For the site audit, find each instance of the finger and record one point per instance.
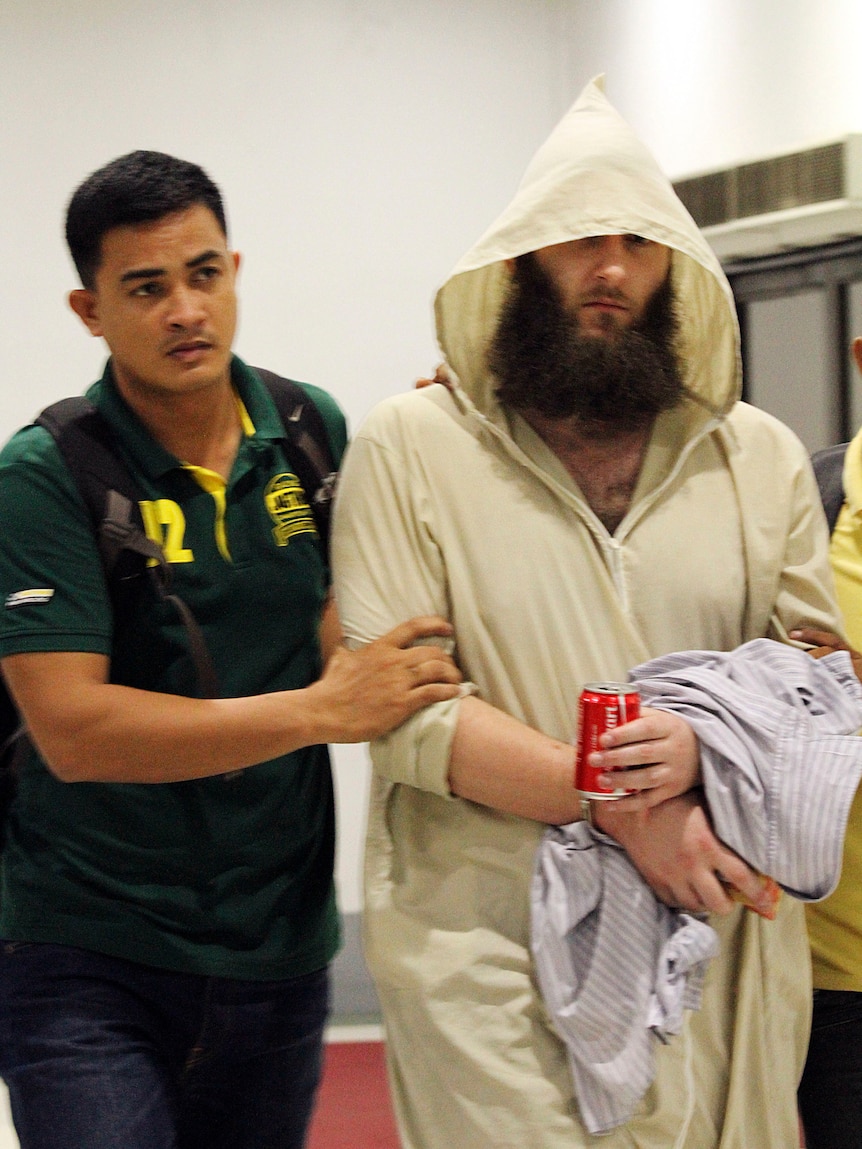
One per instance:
(635, 756)
(708, 893)
(652, 726)
(645, 788)
(416, 655)
(427, 695)
(636, 778)
(424, 626)
(421, 655)
(436, 670)
(819, 638)
(731, 870)
(704, 894)
(641, 729)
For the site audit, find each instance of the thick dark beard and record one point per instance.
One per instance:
(543, 362)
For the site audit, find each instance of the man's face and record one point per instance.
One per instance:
(165, 303)
(592, 338)
(606, 281)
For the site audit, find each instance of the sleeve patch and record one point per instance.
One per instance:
(29, 597)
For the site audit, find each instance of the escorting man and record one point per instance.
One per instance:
(589, 494)
(167, 903)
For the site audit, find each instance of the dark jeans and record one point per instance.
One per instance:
(830, 1094)
(101, 1053)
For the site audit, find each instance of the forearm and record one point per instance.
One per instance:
(112, 733)
(90, 729)
(500, 762)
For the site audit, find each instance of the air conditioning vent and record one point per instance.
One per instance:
(790, 181)
(710, 199)
(787, 201)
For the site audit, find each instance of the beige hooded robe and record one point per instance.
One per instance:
(450, 505)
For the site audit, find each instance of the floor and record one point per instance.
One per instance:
(353, 1110)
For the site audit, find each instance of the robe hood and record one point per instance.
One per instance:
(594, 177)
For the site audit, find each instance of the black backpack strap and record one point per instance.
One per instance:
(86, 443)
(119, 534)
(307, 446)
(829, 471)
(112, 498)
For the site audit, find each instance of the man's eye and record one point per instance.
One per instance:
(638, 240)
(144, 289)
(204, 273)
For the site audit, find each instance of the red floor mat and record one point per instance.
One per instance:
(353, 1106)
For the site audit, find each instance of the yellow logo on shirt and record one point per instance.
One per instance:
(288, 508)
(165, 524)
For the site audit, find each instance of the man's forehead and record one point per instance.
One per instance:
(177, 238)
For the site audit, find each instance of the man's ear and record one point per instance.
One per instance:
(857, 351)
(84, 303)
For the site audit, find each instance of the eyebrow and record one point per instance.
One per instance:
(155, 272)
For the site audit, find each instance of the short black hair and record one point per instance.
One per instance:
(136, 188)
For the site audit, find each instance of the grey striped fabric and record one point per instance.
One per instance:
(779, 769)
(780, 765)
(599, 938)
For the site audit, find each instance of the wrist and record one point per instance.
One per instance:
(604, 817)
(587, 809)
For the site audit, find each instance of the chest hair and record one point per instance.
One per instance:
(606, 464)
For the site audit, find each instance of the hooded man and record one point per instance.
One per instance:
(589, 493)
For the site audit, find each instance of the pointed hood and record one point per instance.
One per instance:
(594, 177)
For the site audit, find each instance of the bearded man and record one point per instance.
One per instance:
(587, 494)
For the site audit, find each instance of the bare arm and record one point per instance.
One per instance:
(500, 762)
(89, 729)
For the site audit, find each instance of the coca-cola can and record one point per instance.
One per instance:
(602, 706)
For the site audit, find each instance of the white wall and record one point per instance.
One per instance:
(708, 83)
(361, 146)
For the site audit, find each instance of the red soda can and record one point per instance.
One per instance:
(602, 706)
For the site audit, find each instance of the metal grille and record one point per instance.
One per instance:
(706, 198)
(790, 181)
(814, 176)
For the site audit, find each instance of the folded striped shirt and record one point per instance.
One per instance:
(780, 764)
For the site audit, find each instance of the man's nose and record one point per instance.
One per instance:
(185, 307)
(611, 264)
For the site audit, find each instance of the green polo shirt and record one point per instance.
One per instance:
(230, 876)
